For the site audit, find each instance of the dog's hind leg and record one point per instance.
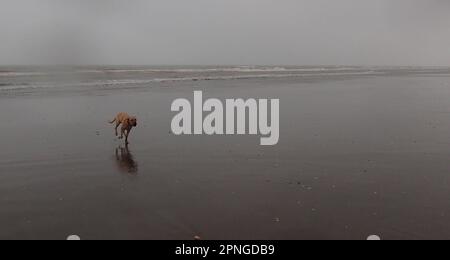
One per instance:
(117, 126)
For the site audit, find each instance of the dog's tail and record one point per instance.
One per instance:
(114, 120)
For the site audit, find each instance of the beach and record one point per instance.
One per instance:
(362, 151)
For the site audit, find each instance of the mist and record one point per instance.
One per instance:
(225, 32)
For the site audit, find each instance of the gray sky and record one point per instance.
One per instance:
(250, 32)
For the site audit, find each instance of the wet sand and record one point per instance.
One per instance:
(356, 157)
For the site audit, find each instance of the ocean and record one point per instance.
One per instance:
(45, 80)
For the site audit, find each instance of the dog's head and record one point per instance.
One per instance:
(132, 121)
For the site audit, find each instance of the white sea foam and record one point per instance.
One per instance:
(22, 74)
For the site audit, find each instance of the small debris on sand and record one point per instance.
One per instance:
(197, 238)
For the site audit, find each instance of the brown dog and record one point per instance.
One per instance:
(127, 122)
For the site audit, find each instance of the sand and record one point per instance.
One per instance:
(357, 156)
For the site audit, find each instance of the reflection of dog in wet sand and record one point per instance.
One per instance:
(127, 122)
(125, 160)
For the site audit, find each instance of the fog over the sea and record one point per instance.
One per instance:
(210, 32)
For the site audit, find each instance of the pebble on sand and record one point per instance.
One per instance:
(73, 237)
(374, 238)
